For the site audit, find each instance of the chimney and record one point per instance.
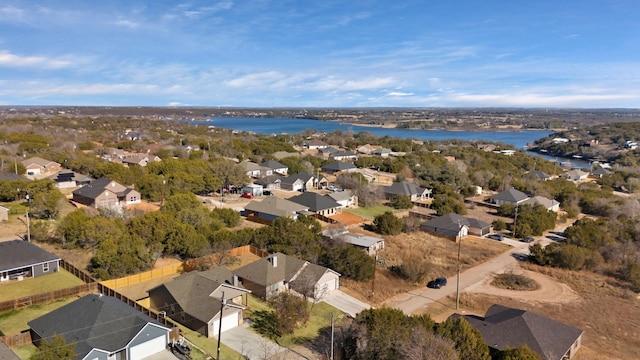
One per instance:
(274, 261)
(235, 280)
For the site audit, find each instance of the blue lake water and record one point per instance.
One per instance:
(519, 139)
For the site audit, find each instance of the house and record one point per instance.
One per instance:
(369, 244)
(4, 213)
(276, 167)
(13, 177)
(278, 272)
(345, 198)
(504, 327)
(339, 166)
(509, 196)
(455, 226)
(103, 328)
(66, 179)
(600, 172)
(37, 166)
(382, 152)
(320, 204)
(367, 149)
(299, 182)
(195, 300)
(272, 182)
(106, 193)
(21, 259)
(327, 151)
(342, 155)
(413, 191)
(254, 170)
(253, 189)
(575, 175)
(549, 204)
(315, 144)
(539, 175)
(139, 159)
(271, 208)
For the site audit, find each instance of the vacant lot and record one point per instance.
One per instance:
(38, 285)
(439, 255)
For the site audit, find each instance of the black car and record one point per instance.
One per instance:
(528, 239)
(437, 283)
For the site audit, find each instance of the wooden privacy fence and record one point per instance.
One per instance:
(16, 340)
(46, 297)
(142, 277)
(80, 274)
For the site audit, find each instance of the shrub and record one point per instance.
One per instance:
(387, 224)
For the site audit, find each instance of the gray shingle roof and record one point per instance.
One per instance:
(94, 189)
(262, 272)
(274, 205)
(452, 222)
(272, 164)
(403, 188)
(511, 195)
(315, 202)
(192, 291)
(93, 321)
(338, 166)
(503, 326)
(17, 254)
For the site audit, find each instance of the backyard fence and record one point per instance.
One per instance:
(142, 277)
(46, 297)
(80, 274)
(13, 341)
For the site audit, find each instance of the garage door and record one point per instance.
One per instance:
(148, 348)
(229, 321)
(327, 286)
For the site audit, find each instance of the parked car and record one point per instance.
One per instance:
(437, 283)
(247, 195)
(498, 237)
(528, 239)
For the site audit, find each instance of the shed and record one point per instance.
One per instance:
(4, 214)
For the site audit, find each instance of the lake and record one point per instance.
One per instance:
(518, 139)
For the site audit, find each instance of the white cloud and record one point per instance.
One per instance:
(11, 13)
(261, 79)
(331, 83)
(127, 23)
(10, 60)
(398, 93)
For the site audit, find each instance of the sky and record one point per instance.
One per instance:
(355, 53)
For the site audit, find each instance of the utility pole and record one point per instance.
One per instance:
(515, 218)
(458, 279)
(28, 224)
(331, 315)
(222, 303)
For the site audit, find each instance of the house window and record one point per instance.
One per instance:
(133, 198)
(45, 267)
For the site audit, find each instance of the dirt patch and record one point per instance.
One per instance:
(348, 220)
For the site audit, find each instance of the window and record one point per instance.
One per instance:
(45, 267)
(133, 198)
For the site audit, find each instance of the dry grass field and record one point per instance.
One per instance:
(439, 253)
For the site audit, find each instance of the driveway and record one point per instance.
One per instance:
(254, 346)
(346, 303)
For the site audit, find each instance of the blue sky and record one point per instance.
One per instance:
(262, 53)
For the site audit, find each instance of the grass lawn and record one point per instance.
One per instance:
(319, 319)
(25, 352)
(370, 212)
(14, 321)
(42, 284)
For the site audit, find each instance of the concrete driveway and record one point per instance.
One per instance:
(346, 303)
(254, 346)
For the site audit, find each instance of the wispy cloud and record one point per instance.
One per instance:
(127, 23)
(8, 59)
(11, 13)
